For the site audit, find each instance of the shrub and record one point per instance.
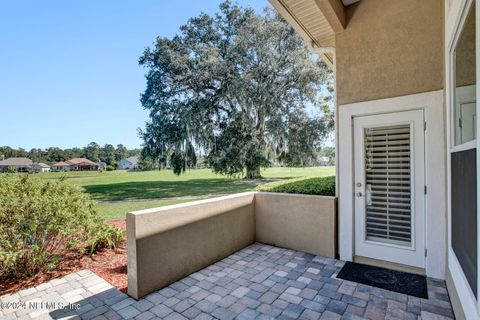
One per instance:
(110, 168)
(323, 186)
(40, 220)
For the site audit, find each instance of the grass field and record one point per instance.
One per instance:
(120, 191)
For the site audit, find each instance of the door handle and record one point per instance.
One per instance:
(359, 194)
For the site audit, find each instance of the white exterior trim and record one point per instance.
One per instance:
(336, 117)
(465, 294)
(477, 59)
(454, 21)
(463, 95)
(466, 146)
(435, 205)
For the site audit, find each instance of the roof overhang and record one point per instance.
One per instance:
(316, 21)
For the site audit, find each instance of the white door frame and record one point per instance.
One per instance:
(435, 206)
(413, 255)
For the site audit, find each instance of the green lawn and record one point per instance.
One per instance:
(115, 211)
(122, 191)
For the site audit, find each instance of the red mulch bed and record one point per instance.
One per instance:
(109, 264)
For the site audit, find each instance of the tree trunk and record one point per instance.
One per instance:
(253, 174)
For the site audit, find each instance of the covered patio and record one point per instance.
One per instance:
(257, 282)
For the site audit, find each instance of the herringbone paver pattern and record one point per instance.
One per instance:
(258, 282)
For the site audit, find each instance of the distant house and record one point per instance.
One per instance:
(41, 167)
(324, 161)
(82, 164)
(130, 163)
(102, 165)
(16, 164)
(60, 166)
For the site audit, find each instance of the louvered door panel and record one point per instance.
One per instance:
(388, 184)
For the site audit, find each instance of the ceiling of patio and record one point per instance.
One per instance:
(310, 22)
(309, 16)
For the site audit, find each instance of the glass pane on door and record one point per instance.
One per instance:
(388, 184)
(464, 113)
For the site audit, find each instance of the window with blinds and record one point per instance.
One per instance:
(388, 185)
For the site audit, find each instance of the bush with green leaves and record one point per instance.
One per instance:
(40, 220)
(323, 186)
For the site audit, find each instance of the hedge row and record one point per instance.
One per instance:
(323, 186)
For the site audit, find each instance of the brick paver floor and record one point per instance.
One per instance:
(258, 282)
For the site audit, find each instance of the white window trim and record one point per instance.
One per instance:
(459, 94)
(450, 80)
(453, 27)
(472, 144)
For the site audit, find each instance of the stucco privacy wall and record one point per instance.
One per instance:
(166, 244)
(389, 49)
(301, 222)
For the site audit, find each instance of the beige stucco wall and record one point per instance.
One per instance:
(301, 222)
(169, 243)
(389, 49)
(166, 244)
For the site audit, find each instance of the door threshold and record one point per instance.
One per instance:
(389, 265)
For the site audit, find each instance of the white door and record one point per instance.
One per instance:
(389, 187)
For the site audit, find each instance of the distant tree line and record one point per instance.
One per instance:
(107, 153)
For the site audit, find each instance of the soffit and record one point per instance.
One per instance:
(311, 20)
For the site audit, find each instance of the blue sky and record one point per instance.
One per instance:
(68, 69)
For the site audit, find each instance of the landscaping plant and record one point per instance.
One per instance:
(322, 186)
(40, 220)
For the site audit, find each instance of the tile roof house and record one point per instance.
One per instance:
(82, 164)
(75, 164)
(60, 166)
(16, 164)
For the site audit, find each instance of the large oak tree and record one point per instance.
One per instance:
(239, 87)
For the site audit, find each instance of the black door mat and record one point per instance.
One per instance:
(397, 281)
